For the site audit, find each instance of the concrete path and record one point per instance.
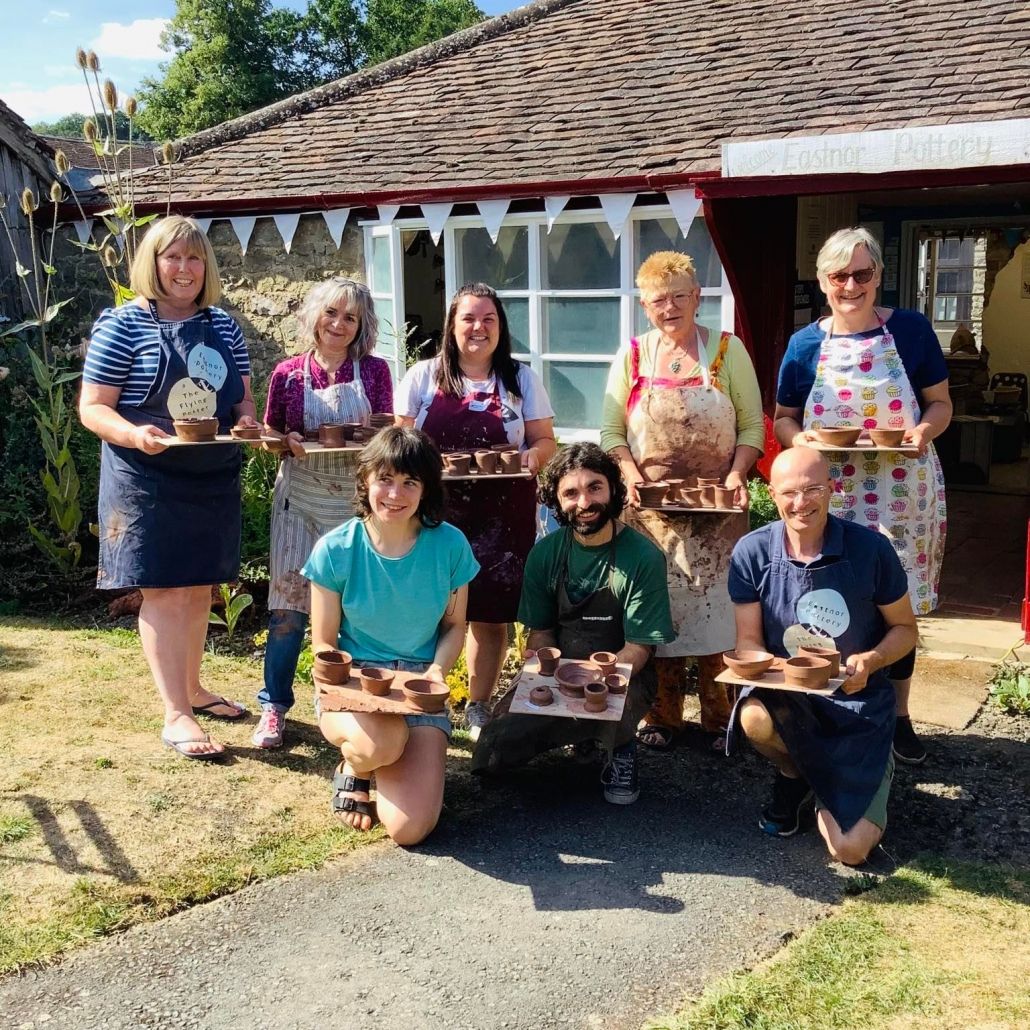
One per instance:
(535, 904)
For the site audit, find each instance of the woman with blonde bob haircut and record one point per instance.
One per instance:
(875, 368)
(336, 378)
(680, 404)
(170, 517)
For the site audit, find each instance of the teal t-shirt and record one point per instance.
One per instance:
(392, 607)
(639, 582)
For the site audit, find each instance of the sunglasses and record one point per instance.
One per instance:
(862, 276)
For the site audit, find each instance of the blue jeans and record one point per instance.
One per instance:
(282, 650)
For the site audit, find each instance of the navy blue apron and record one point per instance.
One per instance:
(172, 519)
(841, 743)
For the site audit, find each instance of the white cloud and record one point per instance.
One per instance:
(55, 16)
(139, 40)
(38, 105)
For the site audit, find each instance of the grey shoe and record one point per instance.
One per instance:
(269, 731)
(619, 775)
(477, 715)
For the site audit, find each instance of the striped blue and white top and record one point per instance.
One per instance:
(125, 343)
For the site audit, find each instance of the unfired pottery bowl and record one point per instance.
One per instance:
(653, 494)
(333, 434)
(725, 497)
(350, 428)
(675, 488)
(887, 437)
(616, 683)
(548, 659)
(332, 666)
(707, 495)
(748, 665)
(376, 681)
(486, 462)
(425, 695)
(831, 654)
(840, 436)
(458, 463)
(595, 697)
(380, 419)
(811, 673)
(511, 462)
(690, 497)
(605, 661)
(195, 429)
(246, 432)
(704, 481)
(573, 678)
(541, 696)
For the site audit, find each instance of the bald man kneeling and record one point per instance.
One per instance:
(814, 579)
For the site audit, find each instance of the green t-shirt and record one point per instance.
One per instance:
(639, 582)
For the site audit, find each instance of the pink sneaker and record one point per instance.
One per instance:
(269, 732)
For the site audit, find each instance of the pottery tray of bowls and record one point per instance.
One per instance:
(773, 679)
(563, 706)
(863, 444)
(349, 697)
(351, 446)
(175, 441)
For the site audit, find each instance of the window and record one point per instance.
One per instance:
(950, 289)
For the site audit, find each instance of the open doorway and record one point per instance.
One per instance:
(424, 287)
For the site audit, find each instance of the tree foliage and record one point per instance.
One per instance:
(234, 56)
(70, 127)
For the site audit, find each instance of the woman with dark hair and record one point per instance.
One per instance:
(475, 395)
(390, 587)
(336, 378)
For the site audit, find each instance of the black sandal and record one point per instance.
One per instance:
(347, 783)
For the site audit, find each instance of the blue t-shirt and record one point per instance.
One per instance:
(917, 343)
(392, 607)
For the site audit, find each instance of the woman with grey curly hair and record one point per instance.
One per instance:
(335, 378)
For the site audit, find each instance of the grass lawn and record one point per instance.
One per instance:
(938, 946)
(102, 826)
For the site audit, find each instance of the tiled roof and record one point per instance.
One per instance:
(82, 155)
(580, 90)
(31, 149)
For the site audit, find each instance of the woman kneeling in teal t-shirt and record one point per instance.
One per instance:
(390, 586)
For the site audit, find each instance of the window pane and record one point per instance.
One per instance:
(579, 256)
(517, 310)
(576, 391)
(382, 281)
(386, 346)
(578, 325)
(654, 234)
(709, 315)
(505, 266)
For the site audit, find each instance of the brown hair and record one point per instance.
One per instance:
(161, 235)
(412, 453)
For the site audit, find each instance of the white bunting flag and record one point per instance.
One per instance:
(616, 208)
(554, 206)
(287, 226)
(83, 230)
(336, 222)
(685, 205)
(492, 212)
(204, 224)
(387, 213)
(436, 217)
(243, 226)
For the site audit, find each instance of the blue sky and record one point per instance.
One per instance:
(38, 77)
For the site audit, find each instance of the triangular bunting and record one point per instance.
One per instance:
(336, 222)
(436, 216)
(685, 205)
(243, 226)
(287, 226)
(83, 230)
(492, 212)
(616, 208)
(554, 206)
(204, 224)
(387, 213)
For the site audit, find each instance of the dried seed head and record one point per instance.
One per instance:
(61, 163)
(131, 106)
(92, 61)
(110, 95)
(110, 256)
(80, 58)
(56, 193)
(167, 154)
(89, 130)
(28, 202)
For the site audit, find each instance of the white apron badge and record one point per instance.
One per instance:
(187, 399)
(824, 610)
(207, 364)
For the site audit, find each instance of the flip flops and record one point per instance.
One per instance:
(656, 737)
(198, 756)
(221, 702)
(347, 783)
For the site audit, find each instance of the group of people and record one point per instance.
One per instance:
(400, 572)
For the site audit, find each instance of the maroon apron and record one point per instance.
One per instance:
(496, 515)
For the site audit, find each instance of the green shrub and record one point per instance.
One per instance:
(1010, 688)
(761, 509)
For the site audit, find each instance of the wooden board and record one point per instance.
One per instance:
(773, 680)
(174, 441)
(563, 707)
(679, 509)
(349, 697)
(475, 474)
(311, 447)
(863, 445)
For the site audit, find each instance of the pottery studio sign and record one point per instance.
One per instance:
(922, 147)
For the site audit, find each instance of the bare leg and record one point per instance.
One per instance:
(410, 792)
(485, 646)
(172, 629)
(760, 729)
(853, 847)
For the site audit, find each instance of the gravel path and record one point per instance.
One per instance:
(534, 904)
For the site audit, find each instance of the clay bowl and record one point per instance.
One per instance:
(425, 695)
(246, 432)
(810, 673)
(653, 494)
(511, 462)
(486, 462)
(380, 419)
(311, 436)
(375, 681)
(332, 666)
(541, 696)
(675, 489)
(595, 697)
(725, 497)
(690, 497)
(748, 665)
(832, 655)
(573, 678)
(616, 683)
(333, 434)
(350, 428)
(707, 496)
(704, 481)
(458, 463)
(605, 661)
(841, 436)
(887, 437)
(548, 659)
(195, 429)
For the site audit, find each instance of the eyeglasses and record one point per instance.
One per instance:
(810, 493)
(680, 299)
(862, 276)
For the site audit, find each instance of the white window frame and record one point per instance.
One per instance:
(539, 354)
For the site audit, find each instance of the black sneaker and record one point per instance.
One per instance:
(907, 747)
(619, 775)
(790, 798)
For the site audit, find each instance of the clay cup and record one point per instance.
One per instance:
(831, 654)
(807, 672)
(595, 697)
(548, 659)
(511, 462)
(616, 683)
(458, 463)
(375, 681)
(605, 661)
(541, 696)
(887, 437)
(425, 695)
(196, 430)
(486, 462)
(332, 666)
(839, 436)
(725, 497)
(246, 432)
(748, 665)
(653, 494)
(333, 434)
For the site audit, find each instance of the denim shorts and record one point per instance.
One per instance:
(439, 720)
